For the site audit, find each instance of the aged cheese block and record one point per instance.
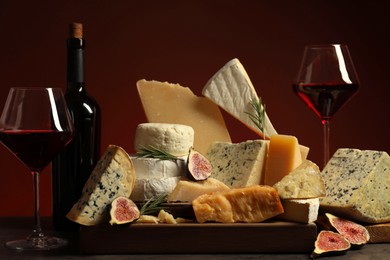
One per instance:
(302, 211)
(284, 155)
(175, 139)
(171, 103)
(358, 185)
(304, 182)
(113, 176)
(146, 189)
(231, 89)
(187, 191)
(238, 165)
(154, 168)
(250, 204)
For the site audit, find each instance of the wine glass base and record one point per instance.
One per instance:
(37, 244)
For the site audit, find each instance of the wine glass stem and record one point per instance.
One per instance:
(37, 230)
(326, 125)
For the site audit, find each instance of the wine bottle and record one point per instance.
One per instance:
(72, 167)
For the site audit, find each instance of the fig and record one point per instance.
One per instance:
(355, 233)
(198, 166)
(123, 210)
(330, 243)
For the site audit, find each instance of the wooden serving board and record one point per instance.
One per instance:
(138, 238)
(379, 233)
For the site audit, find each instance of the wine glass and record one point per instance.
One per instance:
(35, 126)
(326, 81)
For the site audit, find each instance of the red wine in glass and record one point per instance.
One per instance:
(326, 81)
(35, 126)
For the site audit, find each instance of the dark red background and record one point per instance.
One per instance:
(186, 42)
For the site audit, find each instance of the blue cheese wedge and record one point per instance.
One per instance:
(112, 177)
(358, 185)
(238, 165)
(232, 90)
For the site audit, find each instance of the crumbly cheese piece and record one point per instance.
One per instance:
(187, 191)
(147, 219)
(251, 204)
(171, 103)
(175, 139)
(238, 165)
(304, 182)
(231, 89)
(302, 211)
(146, 189)
(113, 176)
(154, 168)
(284, 155)
(358, 185)
(165, 217)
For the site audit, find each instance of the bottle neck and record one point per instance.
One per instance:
(75, 65)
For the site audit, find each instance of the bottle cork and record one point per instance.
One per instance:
(76, 30)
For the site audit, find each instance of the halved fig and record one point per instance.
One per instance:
(123, 210)
(330, 243)
(198, 166)
(355, 233)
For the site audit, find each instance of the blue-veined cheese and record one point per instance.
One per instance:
(113, 176)
(238, 165)
(232, 90)
(358, 185)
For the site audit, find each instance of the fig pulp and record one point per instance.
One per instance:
(329, 242)
(199, 167)
(355, 233)
(123, 210)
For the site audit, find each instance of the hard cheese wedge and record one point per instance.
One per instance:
(251, 204)
(358, 185)
(284, 155)
(238, 165)
(171, 103)
(112, 177)
(304, 182)
(231, 89)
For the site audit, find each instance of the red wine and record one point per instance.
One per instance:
(73, 166)
(325, 99)
(35, 148)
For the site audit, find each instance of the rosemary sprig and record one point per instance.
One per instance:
(153, 205)
(153, 152)
(258, 118)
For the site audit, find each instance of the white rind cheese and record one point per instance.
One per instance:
(238, 165)
(232, 90)
(175, 139)
(113, 176)
(146, 189)
(302, 211)
(153, 168)
(358, 185)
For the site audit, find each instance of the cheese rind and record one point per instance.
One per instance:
(284, 155)
(304, 182)
(232, 90)
(238, 165)
(112, 177)
(146, 189)
(302, 211)
(154, 168)
(171, 103)
(175, 139)
(250, 204)
(357, 185)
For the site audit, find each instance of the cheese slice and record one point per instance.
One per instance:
(113, 176)
(358, 185)
(187, 191)
(231, 89)
(171, 103)
(174, 139)
(238, 165)
(251, 204)
(304, 182)
(284, 155)
(302, 211)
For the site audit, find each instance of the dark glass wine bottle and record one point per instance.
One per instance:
(71, 169)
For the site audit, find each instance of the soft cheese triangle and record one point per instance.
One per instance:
(231, 89)
(113, 176)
